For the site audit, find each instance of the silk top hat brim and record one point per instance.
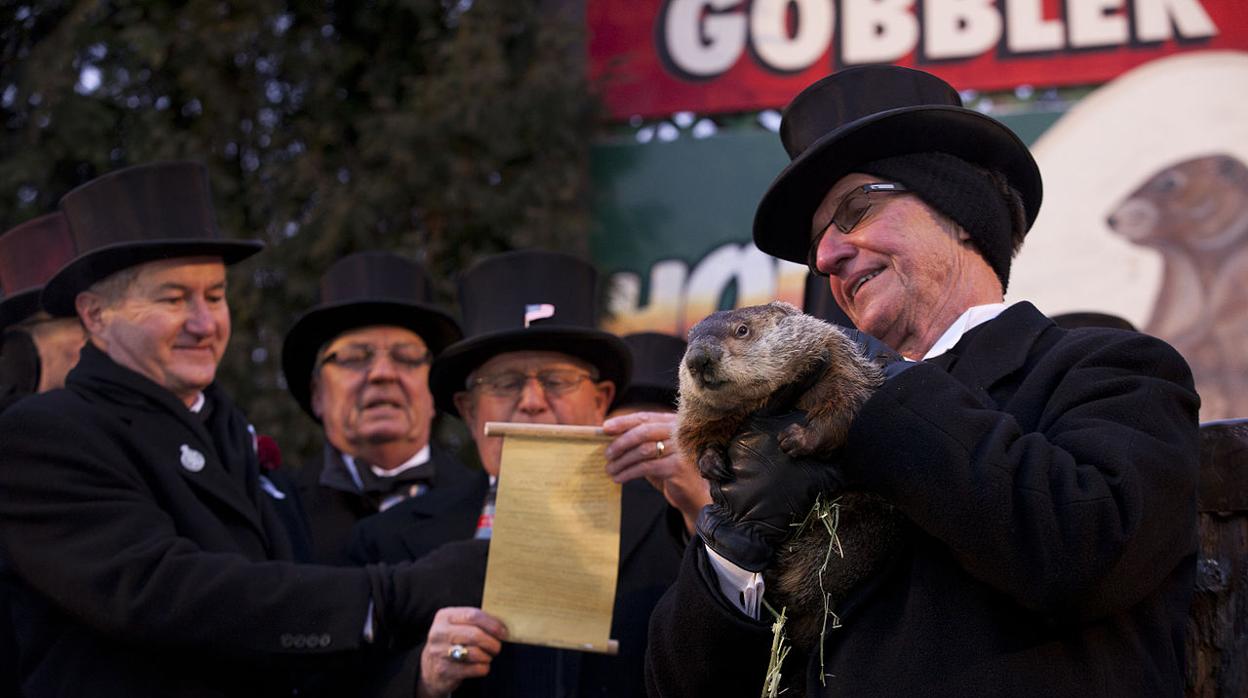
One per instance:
(603, 350)
(77, 276)
(528, 300)
(30, 254)
(322, 323)
(864, 114)
(137, 215)
(18, 307)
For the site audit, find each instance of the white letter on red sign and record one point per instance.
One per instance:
(1152, 20)
(1026, 29)
(877, 31)
(1092, 24)
(959, 28)
(703, 45)
(769, 32)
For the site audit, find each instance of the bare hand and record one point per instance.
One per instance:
(636, 453)
(477, 632)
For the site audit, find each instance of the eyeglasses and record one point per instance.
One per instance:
(362, 357)
(848, 214)
(509, 384)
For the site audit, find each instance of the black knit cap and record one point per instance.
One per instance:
(971, 196)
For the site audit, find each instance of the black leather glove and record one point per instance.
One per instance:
(406, 596)
(749, 514)
(883, 355)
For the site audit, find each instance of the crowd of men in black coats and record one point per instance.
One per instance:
(149, 551)
(148, 548)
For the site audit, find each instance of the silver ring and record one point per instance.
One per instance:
(659, 448)
(457, 653)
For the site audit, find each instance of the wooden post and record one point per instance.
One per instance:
(1217, 632)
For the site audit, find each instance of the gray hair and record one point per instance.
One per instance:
(113, 288)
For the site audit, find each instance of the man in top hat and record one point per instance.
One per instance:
(358, 363)
(1048, 475)
(144, 558)
(533, 353)
(36, 350)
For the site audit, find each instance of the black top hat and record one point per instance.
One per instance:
(359, 290)
(528, 300)
(867, 113)
(29, 255)
(656, 369)
(135, 215)
(819, 302)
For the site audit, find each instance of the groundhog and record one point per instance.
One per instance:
(739, 361)
(1195, 215)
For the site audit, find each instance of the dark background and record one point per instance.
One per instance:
(441, 129)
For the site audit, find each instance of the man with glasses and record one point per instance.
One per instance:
(358, 363)
(1047, 475)
(143, 555)
(533, 354)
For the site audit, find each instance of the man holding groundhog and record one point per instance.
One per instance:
(1047, 476)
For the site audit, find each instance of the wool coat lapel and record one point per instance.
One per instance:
(182, 440)
(989, 353)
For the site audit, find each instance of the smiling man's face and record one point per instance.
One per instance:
(903, 273)
(170, 324)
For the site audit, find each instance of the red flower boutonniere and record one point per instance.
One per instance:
(268, 453)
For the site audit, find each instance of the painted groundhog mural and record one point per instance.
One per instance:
(1195, 214)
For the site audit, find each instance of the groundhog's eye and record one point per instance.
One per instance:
(742, 331)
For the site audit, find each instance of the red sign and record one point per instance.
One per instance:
(656, 57)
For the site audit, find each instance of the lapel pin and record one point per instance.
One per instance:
(192, 460)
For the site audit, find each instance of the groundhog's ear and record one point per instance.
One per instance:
(786, 308)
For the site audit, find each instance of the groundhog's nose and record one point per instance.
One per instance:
(701, 359)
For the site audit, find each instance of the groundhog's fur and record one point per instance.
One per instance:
(737, 361)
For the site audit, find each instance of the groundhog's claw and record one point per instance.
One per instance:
(714, 465)
(797, 441)
(814, 439)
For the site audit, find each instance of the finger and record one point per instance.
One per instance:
(475, 655)
(644, 434)
(639, 454)
(472, 636)
(475, 617)
(654, 469)
(621, 424)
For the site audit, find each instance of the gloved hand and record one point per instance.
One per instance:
(406, 596)
(749, 514)
(889, 361)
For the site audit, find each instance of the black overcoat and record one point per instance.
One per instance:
(452, 502)
(1051, 479)
(144, 565)
(651, 543)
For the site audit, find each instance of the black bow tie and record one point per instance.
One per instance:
(385, 485)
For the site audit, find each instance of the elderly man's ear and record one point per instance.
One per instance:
(465, 405)
(604, 393)
(90, 308)
(318, 408)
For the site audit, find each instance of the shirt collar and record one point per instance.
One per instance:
(199, 402)
(973, 317)
(419, 458)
